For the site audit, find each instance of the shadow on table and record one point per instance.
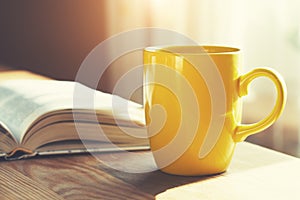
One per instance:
(154, 182)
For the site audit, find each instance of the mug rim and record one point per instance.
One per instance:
(193, 49)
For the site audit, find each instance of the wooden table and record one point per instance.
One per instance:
(255, 173)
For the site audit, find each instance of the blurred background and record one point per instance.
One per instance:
(52, 38)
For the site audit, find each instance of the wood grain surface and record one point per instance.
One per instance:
(254, 172)
(64, 177)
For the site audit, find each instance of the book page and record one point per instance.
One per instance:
(22, 102)
(7, 140)
(14, 110)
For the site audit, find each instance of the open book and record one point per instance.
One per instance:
(58, 117)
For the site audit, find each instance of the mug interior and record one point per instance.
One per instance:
(193, 49)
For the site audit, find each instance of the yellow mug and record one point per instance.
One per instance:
(193, 106)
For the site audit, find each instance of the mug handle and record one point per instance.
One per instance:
(244, 130)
